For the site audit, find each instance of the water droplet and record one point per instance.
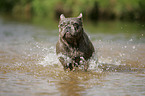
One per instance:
(125, 46)
(99, 40)
(133, 47)
(131, 40)
(120, 54)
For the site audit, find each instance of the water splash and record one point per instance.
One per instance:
(50, 57)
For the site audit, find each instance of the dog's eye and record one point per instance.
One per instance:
(61, 25)
(76, 25)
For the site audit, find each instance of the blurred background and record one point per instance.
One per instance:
(93, 10)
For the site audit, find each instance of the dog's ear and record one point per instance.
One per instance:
(80, 16)
(62, 17)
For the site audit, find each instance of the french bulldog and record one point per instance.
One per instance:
(73, 48)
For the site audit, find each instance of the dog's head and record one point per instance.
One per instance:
(70, 28)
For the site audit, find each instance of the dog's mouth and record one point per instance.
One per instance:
(68, 35)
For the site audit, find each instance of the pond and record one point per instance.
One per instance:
(29, 65)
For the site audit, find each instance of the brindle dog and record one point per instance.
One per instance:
(73, 47)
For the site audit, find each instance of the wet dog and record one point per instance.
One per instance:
(73, 47)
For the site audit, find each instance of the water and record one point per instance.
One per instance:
(29, 65)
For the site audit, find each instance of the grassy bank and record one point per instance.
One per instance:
(92, 9)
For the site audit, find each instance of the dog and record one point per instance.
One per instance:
(73, 48)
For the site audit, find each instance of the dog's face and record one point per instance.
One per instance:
(70, 28)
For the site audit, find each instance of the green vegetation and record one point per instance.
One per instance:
(92, 9)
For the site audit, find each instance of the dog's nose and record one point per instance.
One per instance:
(68, 28)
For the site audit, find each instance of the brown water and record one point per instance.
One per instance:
(29, 65)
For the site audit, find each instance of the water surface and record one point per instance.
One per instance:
(29, 65)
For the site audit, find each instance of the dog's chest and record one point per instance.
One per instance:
(74, 52)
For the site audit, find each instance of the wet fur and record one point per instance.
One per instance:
(74, 45)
